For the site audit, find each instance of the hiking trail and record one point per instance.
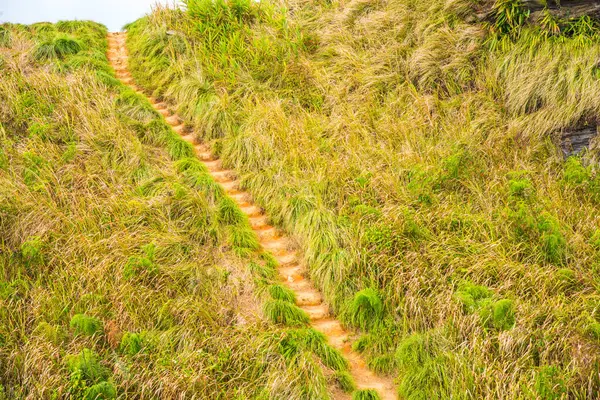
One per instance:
(293, 273)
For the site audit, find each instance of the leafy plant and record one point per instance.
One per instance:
(85, 325)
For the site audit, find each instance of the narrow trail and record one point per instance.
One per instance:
(293, 274)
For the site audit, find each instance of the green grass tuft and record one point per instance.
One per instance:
(345, 381)
(58, 48)
(88, 365)
(86, 325)
(366, 309)
(101, 391)
(284, 313)
(279, 292)
(366, 394)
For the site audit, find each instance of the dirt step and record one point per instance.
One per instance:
(231, 187)
(224, 175)
(310, 297)
(258, 221)
(269, 233)
(286, 259)
(292, 272)
(278, 246)
(338, 338)
(317, 312)
(180, 129)
(163, 111)
(173, 120)
(252, 211)
(214, 165)
(189, 138)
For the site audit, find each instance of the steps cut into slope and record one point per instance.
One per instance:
(293, 274)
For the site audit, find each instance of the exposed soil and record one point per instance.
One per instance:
(292, 272)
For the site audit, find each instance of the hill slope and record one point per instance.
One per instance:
(124, 270)
(413, 152)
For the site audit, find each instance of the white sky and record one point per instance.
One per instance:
(112, 13)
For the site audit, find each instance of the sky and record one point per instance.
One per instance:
(112, 13)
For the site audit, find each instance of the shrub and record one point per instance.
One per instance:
(472, 296)
(574, 172)
(85, 325)
(522, 188)
(101, 391)
(31, 251)
(366, 309)
(282, 312)
(550, 383)
(131, 343)
(88, 365)
(138, 265)
(498, 315)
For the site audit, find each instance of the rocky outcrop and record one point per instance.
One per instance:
(565, 8)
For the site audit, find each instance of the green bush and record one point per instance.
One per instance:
(31, 251)
(471, 296)
(344, 380)
(550, 383)
(282, 312)
(366, 309)
(279, 292)
(131, 343)
(58, 47)
(101, 391)
(88, 365)
(498, 315)
(85, 325)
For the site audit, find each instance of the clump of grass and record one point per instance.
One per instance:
(279, 292)
(344, 381)
(498, 315)
(87, 364)
(58, 47)
(366, 309)
(86, 325)
(284, 313)
(366, 394)
(101, 391)
(131, 343)
(472, 296)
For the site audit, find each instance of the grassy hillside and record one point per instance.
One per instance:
(124, 270)
(411, 148)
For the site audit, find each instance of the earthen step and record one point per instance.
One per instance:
(189, 138)
(173, 120)
(252, 211)
(224, 175)
(309, 298)
(258, 221)
(214, 165)
(276, 246)
(269, 233)
(334, 331)
(204, 155)
(180, 129)
(163, 111)
(285, 259)
(291, 272)
(231, 187)
(317, 312)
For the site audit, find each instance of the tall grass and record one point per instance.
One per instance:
(412, 151)
(117, 278)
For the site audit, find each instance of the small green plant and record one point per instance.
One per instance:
(471, 296)
(498, 315)
(366, 394)
(131, 343)
(565, 280)
(229, 212)
(87, 364)
(593, 330)
(139, 265)
(574, 172)
(85, 325)
(550, 383)
(282, 312)
(101, 391)
(31, 251)
(366, 309)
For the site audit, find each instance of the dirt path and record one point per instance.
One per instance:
(293, 274)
